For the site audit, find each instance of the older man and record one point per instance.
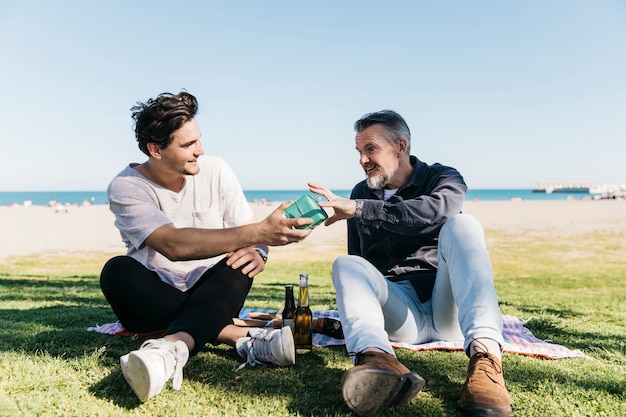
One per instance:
(417, 271)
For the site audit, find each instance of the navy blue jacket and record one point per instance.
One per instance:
(399, 236)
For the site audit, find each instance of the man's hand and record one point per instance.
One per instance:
(249, 258)
(277, 230)
(344, 208)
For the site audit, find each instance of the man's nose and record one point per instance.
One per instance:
(198, 151)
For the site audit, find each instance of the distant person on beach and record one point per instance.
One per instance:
(417, 271)
(193, 248)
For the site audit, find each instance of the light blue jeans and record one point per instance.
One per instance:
(463, 307)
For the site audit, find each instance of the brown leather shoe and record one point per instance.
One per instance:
(378, 380)
(484, 393)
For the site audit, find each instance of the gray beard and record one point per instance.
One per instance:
(380, 181)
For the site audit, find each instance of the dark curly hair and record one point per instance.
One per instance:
(156, 119)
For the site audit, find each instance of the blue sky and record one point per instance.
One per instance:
(508, 92)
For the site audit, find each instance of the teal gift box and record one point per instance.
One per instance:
(306, 206)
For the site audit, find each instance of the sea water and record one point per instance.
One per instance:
(44, 198)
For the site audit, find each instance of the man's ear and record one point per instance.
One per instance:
(402, 145)
(154, 149)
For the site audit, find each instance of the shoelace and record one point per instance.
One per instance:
(177, 356)
(488, 365)
(263, 350)
(481, 352)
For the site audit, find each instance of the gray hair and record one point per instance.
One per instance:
(395, 126)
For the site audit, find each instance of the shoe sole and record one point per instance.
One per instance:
(476, 410)
(367, 390)
(137, 374)
(412, 385)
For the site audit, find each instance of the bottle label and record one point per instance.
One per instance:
(303, 336)
(290, 323)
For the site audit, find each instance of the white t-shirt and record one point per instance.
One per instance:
(211, 199)
(388, 193)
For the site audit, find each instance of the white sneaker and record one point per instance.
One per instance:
(267, 346)
(157, 361)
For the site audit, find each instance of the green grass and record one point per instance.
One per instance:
(574, 291)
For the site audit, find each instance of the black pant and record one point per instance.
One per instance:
(143, 303)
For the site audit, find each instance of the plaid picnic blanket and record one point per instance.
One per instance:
(517, 338)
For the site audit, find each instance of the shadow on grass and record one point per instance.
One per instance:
(34, 289)
(529, 373)
(445, 372)
(312, 386)
(546, 324)
(214, 369)
(57, 330)
(114, 388)
(317, 386)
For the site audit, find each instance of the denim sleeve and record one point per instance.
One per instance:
(418, 213)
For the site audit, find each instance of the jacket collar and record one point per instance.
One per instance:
(416, 178)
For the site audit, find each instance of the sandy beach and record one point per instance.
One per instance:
(38, 229)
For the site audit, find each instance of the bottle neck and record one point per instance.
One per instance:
(289, 302)
(303, 300)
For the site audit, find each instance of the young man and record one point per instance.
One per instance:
(193, 247)
(416, 271)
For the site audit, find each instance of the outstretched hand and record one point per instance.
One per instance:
(277, 230)
(343, 208)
